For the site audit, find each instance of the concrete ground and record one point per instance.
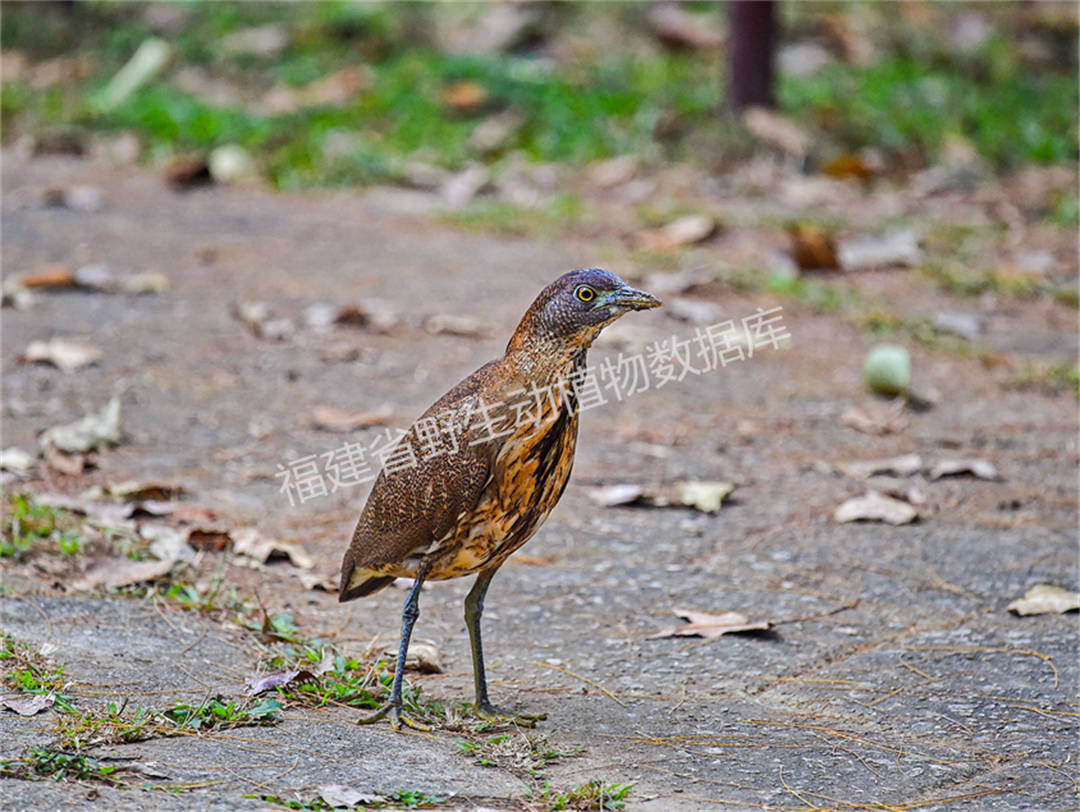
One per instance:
(894, 677)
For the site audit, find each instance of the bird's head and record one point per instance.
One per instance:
(574, 308)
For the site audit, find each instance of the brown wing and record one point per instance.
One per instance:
(410, 509)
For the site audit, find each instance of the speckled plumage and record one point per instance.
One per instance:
(472, 498)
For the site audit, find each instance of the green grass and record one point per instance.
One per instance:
(42, 762)
(347, 682)
(403, 799)
(30, 527)
(595, 794)
(659, 104)
(27, 671)
(902, 104)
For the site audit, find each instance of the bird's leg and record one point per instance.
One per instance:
(474, 608)
(395, 707)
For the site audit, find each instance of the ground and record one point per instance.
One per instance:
(894, 677)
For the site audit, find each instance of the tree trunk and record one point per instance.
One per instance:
(751, 41)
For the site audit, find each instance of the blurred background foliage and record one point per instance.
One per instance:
(340, 93)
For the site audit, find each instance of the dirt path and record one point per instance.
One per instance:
(895, 676)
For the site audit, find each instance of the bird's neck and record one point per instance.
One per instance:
(545, 359)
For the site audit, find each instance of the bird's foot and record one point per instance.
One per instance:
(398, 717)
(493, 713)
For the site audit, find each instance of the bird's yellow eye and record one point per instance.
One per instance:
(585, 293)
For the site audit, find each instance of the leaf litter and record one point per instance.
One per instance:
(710, 625)
(1046, 599)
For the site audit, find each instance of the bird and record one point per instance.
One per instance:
(476, 475)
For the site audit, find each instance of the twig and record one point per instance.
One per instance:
(594, 684)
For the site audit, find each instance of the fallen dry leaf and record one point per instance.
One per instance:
(423, 658)
(678, 28)
(279, 679)
(711, 626)
(331, 418)
(465, 97)
(776, 130)
(894, 249)
(167, 543)
(460, 188)
(453, 325)
(133, 490)
(982, 469)
(852, 165)
(16, 460)
(95, 430)
(70, 464)
(123, 572)
(873, 507)
(1046, 599)
(337, 795)
(876, 419)
(247, 541)
(29, 705)
(692, 228)
(66, 354)
(208, 538)
(56, 275)
(812, 248)
(317, 582)
(614, 495)
(186, 172)
(706, 496)
(904, 465)
(330, 91)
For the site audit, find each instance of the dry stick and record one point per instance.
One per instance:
(199, 640)
(793, 792)
(1046, 658)
(596, 685)
(344, 624)
(269, 789)
(157, 607)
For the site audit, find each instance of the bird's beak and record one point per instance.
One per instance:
(628, 298)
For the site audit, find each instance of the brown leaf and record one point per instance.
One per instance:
(1046, 599)
(70, 464)
(851, 165)
(185, 173)
(811, 247)
(465, 97)
(208, 538)
(711, 626)
(123, 572)
(57, 275)
(331, 418)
